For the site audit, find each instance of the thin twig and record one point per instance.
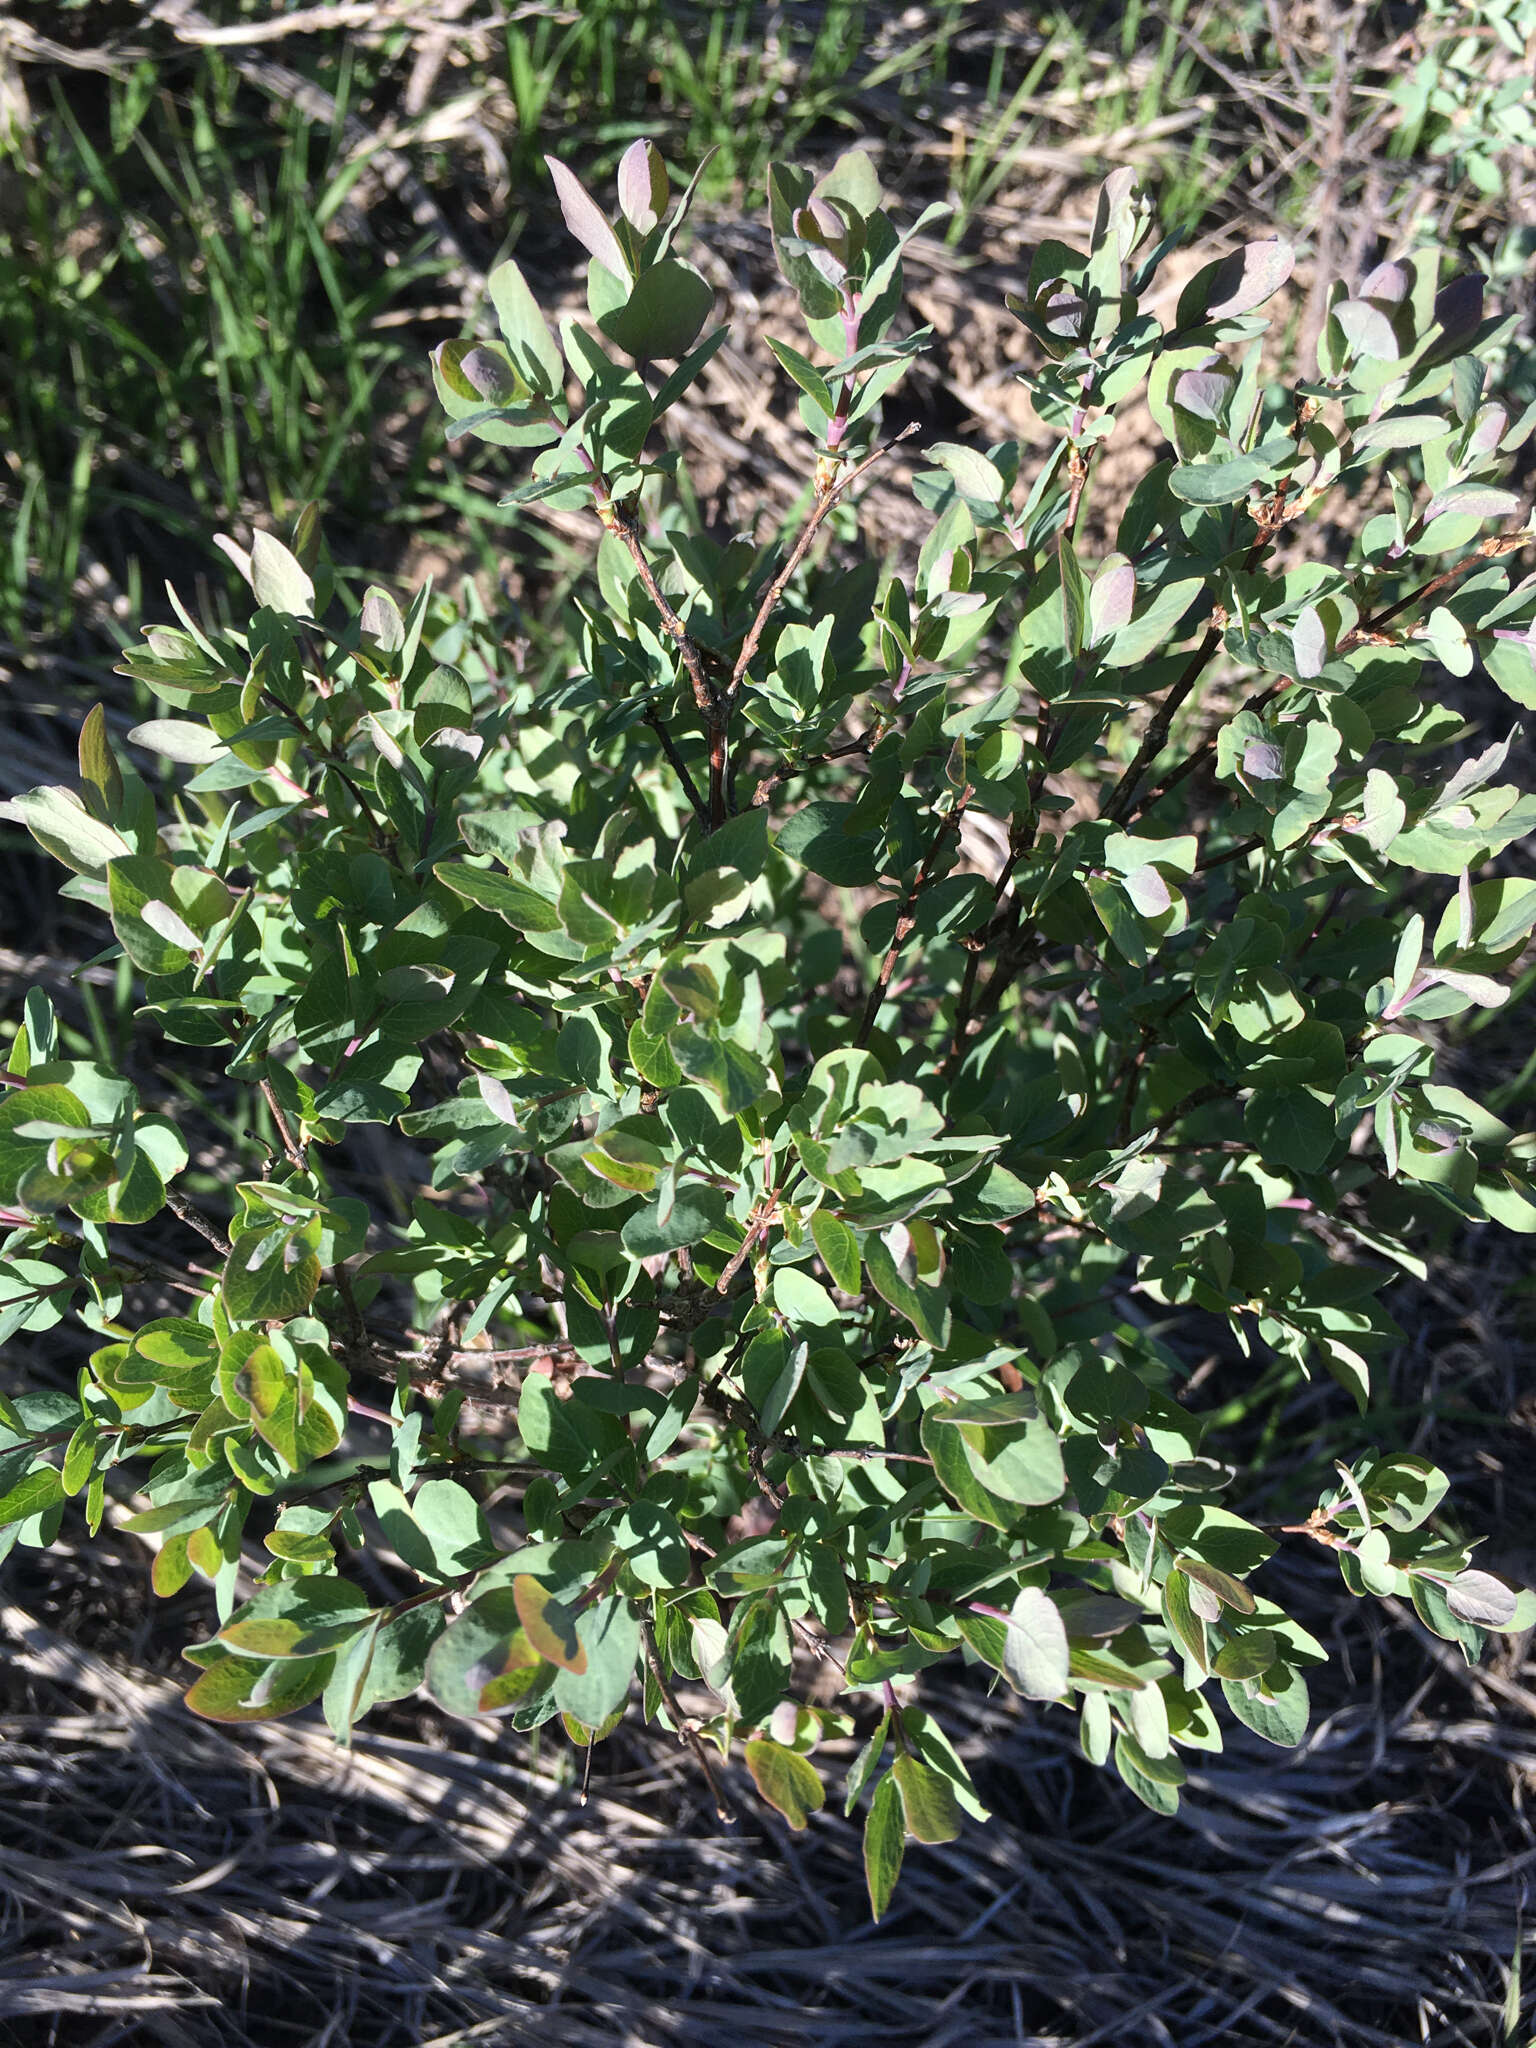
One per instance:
(191, 1215)
(1155, 738)
(1487, 550)
(1268, 518)
(906, 918)
(550, 1347)
(1207, 750)
(297, 1156)
(761, 1221)
(1219, 860)
(818, 512)
(686, 1732)
(707, 698)
(784, 771)
(679, 766)
(621, 523)
(331, 759)
(1019, 843)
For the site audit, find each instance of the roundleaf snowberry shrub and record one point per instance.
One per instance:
(843, 1021)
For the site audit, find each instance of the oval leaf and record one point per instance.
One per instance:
(884, 1844)
(1036, 1656)
(927, 1799)
(789, 1783)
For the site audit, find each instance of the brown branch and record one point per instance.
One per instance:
(1487, 550)
(296, 1153)
(679, 766)
(906, 918)
(1207, 751)
(1017, 951)
(1196, 1100)
(1079, 466)
(862, 1455)
(707, 699)
(1268, 518)
(825, 500)
(784, 771)
(191, 1215)
(551, 1347)
(622, 524)
(1207, 861)
(686, 1732)
(331, 759)
(1155, 738)
(758, 1228)
(1020, 842)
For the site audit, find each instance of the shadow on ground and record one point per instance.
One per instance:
(167, 1882)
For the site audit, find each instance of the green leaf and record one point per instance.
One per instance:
(654, 1547)
(482, 1663)
(1404, 1489)
(925, 1307)
(522, 907)
(1481, 1598)
(243, 1689)
(651, 1057)
(1235, 284)
(1401, 430)
(761, 1658)
(279, 579)
(997, 1196)
(400, 1652)
(695, 1213)
(610, 1636)
(628, 1160)
(928, 1800)
(550, 1623)
(98, 764)
(1290, 1127)
(1036, 1659)
(804, 1301)
(788, 1782)
(955, 1473)
(1215, 1536)
(586, 220)
(1184, 1623)
(62, 826)
(839, 1250)
(976, 478)
(1222, 482)
(42, 1488)
(885, 1844)
(272, 1274)
(1246, 1656)
(1022, 1463)
(570, 1436)
(1277, 1710)
(805, 374)
(306, 1617)
(1229, 1591)
(272, 1397)
(454, 1524)
(664, 313)
(525, 330)
(824, 838)
(727, 1069)
(1153, 1791)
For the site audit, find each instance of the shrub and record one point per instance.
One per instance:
(836, 1115)
(1458, 106)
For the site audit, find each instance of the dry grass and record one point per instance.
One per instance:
(169, 1882)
